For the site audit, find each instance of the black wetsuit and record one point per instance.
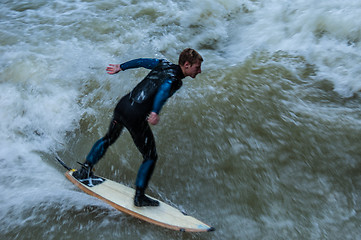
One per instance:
(133, 109)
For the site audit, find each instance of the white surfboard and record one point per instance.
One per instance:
(121, 197)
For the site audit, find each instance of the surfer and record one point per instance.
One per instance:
(140, 107)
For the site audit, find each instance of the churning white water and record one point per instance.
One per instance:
(264, 144)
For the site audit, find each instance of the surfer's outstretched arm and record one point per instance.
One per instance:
(113, 68)
(148, 63)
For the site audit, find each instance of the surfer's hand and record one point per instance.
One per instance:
(113, 68)
(153, 118)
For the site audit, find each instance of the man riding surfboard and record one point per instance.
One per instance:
(140, 107)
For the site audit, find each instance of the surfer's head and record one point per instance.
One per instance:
(190, 61)
(189, 55)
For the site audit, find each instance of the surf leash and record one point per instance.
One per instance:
(62, 163)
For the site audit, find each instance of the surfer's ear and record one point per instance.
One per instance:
(187, 64)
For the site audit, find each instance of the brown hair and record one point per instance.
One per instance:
(189, 55)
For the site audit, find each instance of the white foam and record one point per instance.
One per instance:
(327, 34)
(52, 51)
(40, 88)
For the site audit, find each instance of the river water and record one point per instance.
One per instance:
(264, 144)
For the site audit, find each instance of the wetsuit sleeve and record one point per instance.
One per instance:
(162, 95)
(148, 63)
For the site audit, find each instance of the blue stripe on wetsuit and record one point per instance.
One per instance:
(162, 95)
(148, 63)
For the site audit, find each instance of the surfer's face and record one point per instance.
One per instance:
(192, 70)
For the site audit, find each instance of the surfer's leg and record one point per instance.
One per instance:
(98, 150)
(144, 140)
(101, 146)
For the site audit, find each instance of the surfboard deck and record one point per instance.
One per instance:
(121, 197)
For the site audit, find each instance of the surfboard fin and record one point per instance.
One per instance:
(211, 229)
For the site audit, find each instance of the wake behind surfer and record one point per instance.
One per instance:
(140, 107)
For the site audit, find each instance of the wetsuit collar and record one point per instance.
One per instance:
(180, 74)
